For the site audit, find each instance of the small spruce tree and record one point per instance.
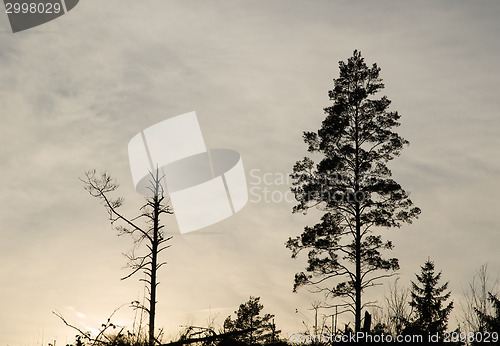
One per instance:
(428, 299)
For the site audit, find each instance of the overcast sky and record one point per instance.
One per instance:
(74, 91)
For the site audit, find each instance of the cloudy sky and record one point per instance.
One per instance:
(74, 91)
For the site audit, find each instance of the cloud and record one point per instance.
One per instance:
(74, 91)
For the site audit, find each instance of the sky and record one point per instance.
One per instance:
(74, 91)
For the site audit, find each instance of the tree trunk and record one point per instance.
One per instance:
(154, 254)
(357, 284)
(357, 322)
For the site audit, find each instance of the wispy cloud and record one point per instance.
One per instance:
(74, 91)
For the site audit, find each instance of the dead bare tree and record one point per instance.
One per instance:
(398, 307)
(101, 186)
(396, 312)
(103, 338)
(476, 300)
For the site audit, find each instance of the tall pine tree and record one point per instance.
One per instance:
(428, 299)
(353, 185)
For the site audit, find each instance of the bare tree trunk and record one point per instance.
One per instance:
(154, 263)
